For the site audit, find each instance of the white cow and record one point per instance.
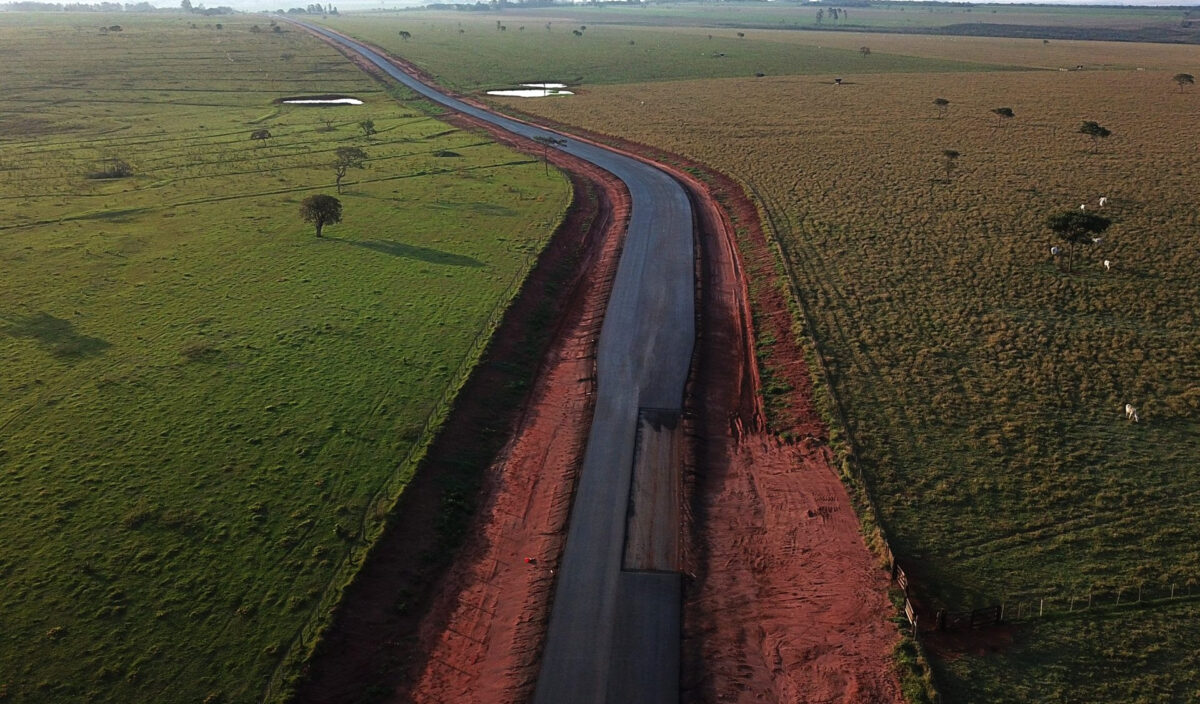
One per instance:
(1083, 206)
(1107, 265)
(1131, 413)
(1055, 251)
(1103, 201)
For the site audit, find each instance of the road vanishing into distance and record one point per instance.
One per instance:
(614, 632)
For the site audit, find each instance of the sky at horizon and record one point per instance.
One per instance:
(368, 5)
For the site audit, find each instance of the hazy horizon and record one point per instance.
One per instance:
(369, 5)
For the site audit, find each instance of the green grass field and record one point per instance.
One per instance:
(205, 410)
(984, 386)
(467, 52)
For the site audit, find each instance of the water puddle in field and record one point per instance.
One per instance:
(321, 100)
(534, 90)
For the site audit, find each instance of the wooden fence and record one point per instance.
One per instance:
(1053, 604)
(1133, 594)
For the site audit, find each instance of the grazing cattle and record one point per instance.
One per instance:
(260, 134)
(1107, 265)
(1103, 201)
(1131, 413)
(1097, 240)
(1083, 206)
(1055, 251)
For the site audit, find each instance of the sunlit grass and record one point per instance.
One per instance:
(206, 411)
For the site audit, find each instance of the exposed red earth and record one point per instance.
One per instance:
(785, 603)
(483, 634)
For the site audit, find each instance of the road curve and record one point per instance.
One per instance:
(613, 635)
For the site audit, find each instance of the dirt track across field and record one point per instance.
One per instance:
(785, 603)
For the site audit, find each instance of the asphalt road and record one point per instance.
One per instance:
(613, 635)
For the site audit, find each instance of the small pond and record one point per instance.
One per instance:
(533, 90)
(320, 100)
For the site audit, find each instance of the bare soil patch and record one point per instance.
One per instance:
(787, 603)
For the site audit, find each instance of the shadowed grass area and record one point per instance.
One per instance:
(425, 254)
(56, 334)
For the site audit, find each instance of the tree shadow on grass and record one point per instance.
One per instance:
(56, 334)
(409, 251)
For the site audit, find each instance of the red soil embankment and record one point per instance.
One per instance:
(483, 635)
(787, 604)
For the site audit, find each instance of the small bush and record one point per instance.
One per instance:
(113, 168)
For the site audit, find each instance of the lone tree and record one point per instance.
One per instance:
(949, 161)
(1003, 114)
(346, 158)
(321, 210)
(1077, 227)
(368, 128)
(1184, 79)
(942, 106)
(1095, 131)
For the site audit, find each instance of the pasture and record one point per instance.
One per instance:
(984, 384)
(470, 51)
(878, 15)
(206, 411)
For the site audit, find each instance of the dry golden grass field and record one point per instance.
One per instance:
(985, 387)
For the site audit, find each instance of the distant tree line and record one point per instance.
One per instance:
(186, 6)
(502, 4)
(101, 7)
(314, 9)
